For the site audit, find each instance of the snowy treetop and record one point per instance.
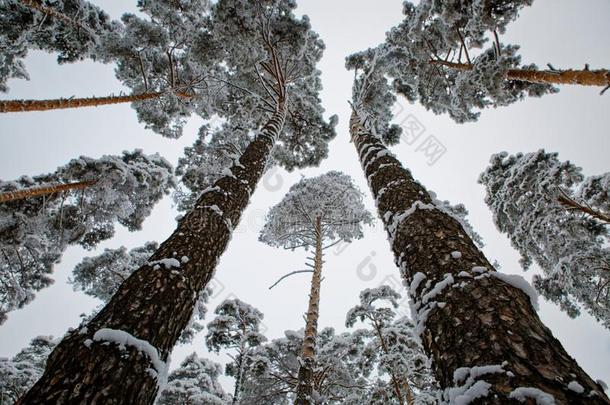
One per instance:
(332, 197)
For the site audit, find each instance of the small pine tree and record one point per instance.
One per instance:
(18, 374)
(394, 348)
(195, 382)
(236, 327)
(273, 368)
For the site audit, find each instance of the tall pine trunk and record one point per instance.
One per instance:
(156, 302)
(44, 190)
(578, 77)
(65, 103)
(466, 316)
(308, 356)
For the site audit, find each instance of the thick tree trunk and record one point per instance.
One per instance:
(45, 190)
(308, 356)
(465, 313)
(155, 303)
(64, 103)
(579, 77)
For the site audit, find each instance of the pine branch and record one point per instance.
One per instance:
(288, 275)
(572, 205)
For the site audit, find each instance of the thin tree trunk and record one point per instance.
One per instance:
(393, 377)
(240, 368)
(308, 356)
(464, 314)
(44, 190)
(579, 77)
(238, 383)
(65, 103)
(155, 303)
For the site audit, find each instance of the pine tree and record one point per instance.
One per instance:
(282, 99)
(273, 368)
(504, 353)
(441, 56)
(323, 210)
(396, 349)
(18, 374)
(195, 382)
(236, 328)
(528, 195)
(70, 28)
(34, 232)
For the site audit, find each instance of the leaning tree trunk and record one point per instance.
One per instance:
(579, 77)
(153, 306)
(308, 355)
(64, 103)
(482, 333)
(44, 190)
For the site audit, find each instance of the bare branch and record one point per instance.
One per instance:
(290, 274)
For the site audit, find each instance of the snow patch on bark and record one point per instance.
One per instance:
(456, 254)
(480, 389)
(576, 387)
(521, 394)
(438, 288)
(124, 339)
(398, 218)
(471, 389)
(167, 263)
(417, 279)
(520, 283)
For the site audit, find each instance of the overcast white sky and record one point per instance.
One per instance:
(574, 123)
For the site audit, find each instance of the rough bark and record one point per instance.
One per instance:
(45, 190)
(65, 103)
(478, 320)
(308, 356)
(155, 303)
(578, 77)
